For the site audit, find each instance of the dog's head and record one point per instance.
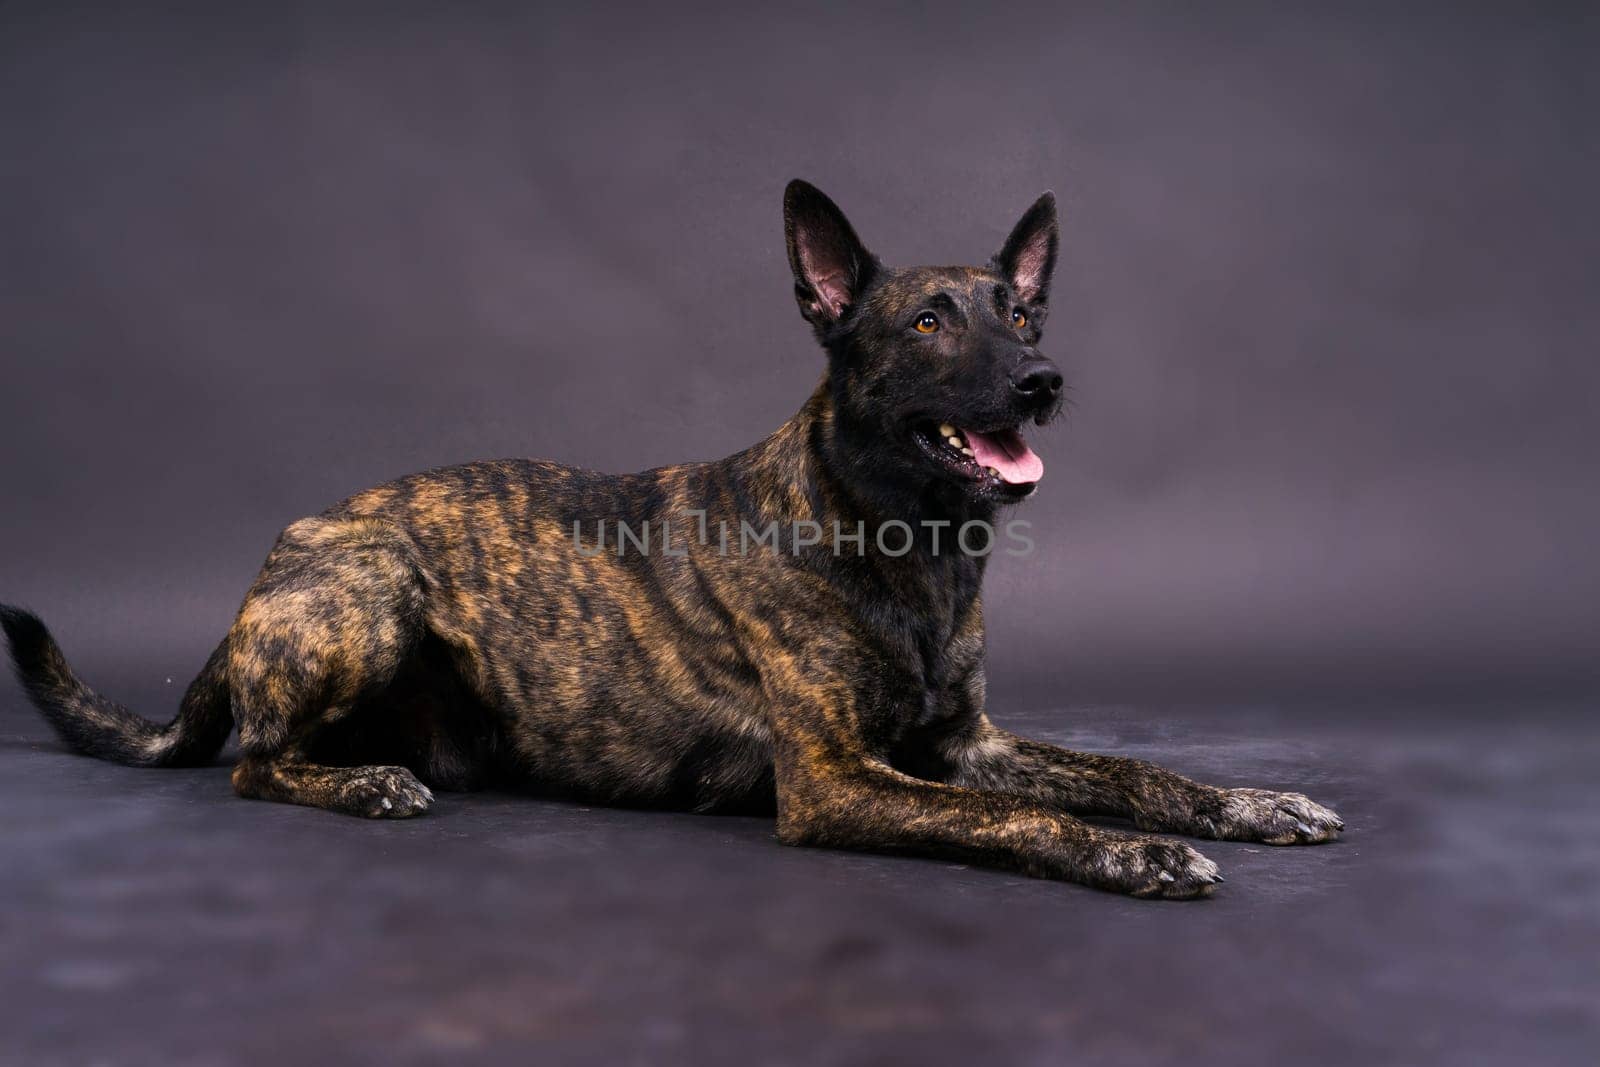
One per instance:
(935, 370)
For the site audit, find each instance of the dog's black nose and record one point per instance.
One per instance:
(1037, 382)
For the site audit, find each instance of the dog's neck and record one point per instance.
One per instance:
(817, 467)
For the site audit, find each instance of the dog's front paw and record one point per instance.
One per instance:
(1271, 818)
(1153, 867)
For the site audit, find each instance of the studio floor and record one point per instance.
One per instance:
(150, 917)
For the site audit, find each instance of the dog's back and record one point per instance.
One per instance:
(580, 633)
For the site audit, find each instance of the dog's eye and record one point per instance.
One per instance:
(1018, 319)
(927, 322)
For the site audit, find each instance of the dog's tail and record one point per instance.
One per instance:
(95, 726)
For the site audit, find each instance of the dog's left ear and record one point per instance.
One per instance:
(1028, 257)
(831, 266)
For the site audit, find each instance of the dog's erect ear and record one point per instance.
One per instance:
(1028, 257)
(831, 267)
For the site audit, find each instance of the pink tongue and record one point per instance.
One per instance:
(1008, 453)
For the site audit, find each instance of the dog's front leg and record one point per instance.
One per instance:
(982, 756)
(832, 794)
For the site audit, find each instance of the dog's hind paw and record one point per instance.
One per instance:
(384, 793)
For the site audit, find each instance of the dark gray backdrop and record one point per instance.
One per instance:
(1326, 300)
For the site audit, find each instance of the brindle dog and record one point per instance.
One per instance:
(495, 622)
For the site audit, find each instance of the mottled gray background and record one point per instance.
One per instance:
(1326, 300)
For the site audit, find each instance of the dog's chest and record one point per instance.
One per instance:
(925, 628)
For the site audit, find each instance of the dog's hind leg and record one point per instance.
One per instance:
(336, 610)
(373, 792)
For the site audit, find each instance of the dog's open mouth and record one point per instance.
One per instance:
(1000, 457)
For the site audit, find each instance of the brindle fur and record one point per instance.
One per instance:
(443, 631)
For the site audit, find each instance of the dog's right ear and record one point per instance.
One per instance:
(1029, 256)
(831, 266)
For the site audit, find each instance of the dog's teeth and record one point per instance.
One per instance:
(955, 442)
(993, 470)
(946, 430)
(967, 452)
